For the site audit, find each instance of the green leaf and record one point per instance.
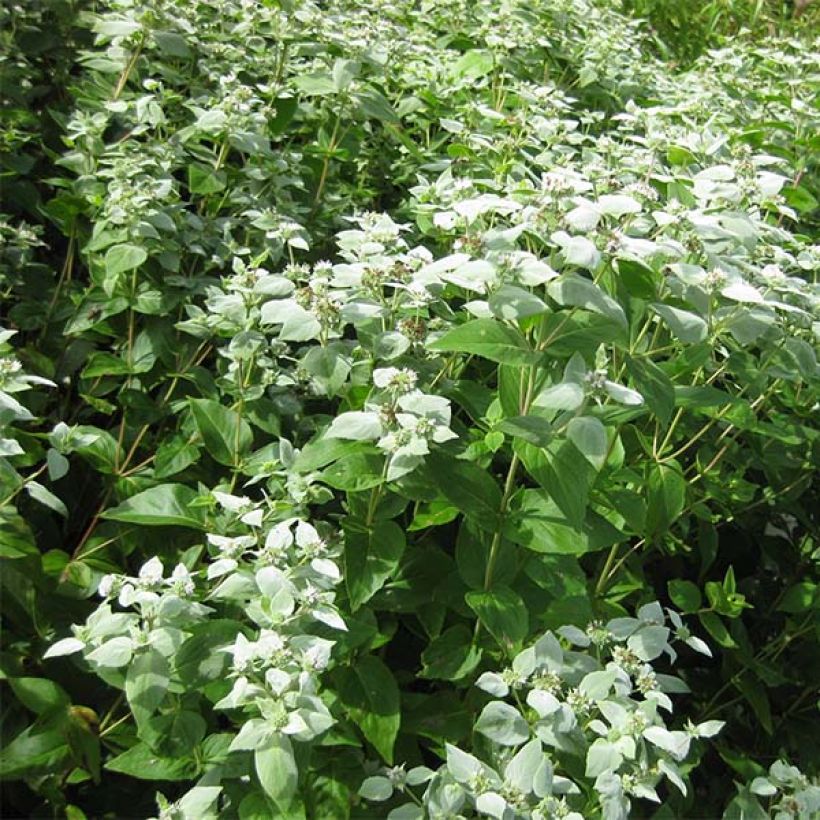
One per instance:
(355, 472)
(717, 629)
(512, 303)
(39, 493)
(685, 595)
(374, 105)
(799, 597)
(316, 85)
(227, 436)
(175, 734)
(32, 753)
(172, 44)
(473, 64)
(561, 396)
(142, 762)
(654, 385)
(376, 788)
(489, 339)
(466, 486)
(203, 179)
(451, 655)
(146, 683)
(533, 429)
(328, 367)
(198, 660)
(16, 539)
(276, 768)
(173, 456)
(39, 695)
(536, 523)
(502, 613)
(589, 436)
(576, 291)
(800, 198)
(122, 258)
(370, 694)
(164, 505)
(503, 723)
(565, 474)
(688, 327)
(344, 72)
(371, 556)
(665, 498)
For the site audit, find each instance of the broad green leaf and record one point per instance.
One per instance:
(473, 64)
(276, 769)
(665, 498)
(489, 339)
(534, 429)
(122, 258)
(511, 303)
(174, 734)
(328, 367)
(502, 612)
(355, 472)
(172, 44)
(39, 695)
(565, 474)
(717, 629)
(561, 396)
(451, 655)
(203, 179)
(687, 326)
(16, 539)
(468, 487)
(376, 788)
(535, 522)
(589, 436)
(198, 660)
(227, 436)
(374, 105)
(685, 595)
(371, 556)
(142, 762)
(164, 505)
(344, 71)
(574, 290)
(40, 493)
(316, 85)
(503, 723)
(146, 683)
(369, 693)
(35, 751)
(602, 757)
(799, 597)
(654, 385)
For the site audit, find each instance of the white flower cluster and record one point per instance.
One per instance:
(401, 419)
(607, 712)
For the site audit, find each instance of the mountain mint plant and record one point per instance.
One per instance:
(391, 394)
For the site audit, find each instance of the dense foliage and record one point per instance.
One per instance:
(408, 410)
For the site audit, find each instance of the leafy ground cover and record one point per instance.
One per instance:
(407, 410)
